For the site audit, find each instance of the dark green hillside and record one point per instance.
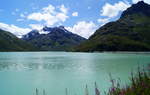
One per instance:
(57, 39)
(9, 42)
(130, 33)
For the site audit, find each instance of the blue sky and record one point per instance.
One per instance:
(82, 17)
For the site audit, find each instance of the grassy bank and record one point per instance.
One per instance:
(140, 84)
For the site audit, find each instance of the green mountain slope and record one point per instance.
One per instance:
(9, 42)
(130, 33)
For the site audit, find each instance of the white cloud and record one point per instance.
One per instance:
(146, 1)
(19, 20)
(49, 9)
(83, 28)
(50, 15)
(63, 9)
(113, 10)
(61, 17)
(36, 26)
(103, 21)
(36, 16)
(75, 14)
(14, 29)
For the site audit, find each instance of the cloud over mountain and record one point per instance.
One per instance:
(50, 15)
(14, 29)
(83, 28)
(146, 1)
(112, 10)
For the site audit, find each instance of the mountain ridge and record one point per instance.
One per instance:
(129, 33)
(53, 39)
(9, 42)
(138, 8)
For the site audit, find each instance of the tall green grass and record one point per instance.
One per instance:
(140, 84)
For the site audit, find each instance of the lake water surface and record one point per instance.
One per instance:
(22, 72)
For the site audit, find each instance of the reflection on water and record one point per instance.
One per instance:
(42, 66)
(67, 61)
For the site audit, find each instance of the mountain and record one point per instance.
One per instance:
(53, 39)
(131, 32)
(139, 8)
(9, 42)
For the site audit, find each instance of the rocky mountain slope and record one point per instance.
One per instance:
(53, 39)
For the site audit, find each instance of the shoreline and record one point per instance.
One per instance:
(113, 52)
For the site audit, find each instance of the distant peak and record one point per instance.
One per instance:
(141, 2)
(46, 28)
(35, 30)
(139, 8)
(61, 26)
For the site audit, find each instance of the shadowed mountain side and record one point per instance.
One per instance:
(130, 33)
(53, 39)
(9, 42)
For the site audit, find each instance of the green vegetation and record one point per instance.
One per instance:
(122, 35)
(56, 42)
(130, 33)
(140, 85)
(113, 43)
(9, 42)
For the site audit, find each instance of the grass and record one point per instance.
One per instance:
(140, 85)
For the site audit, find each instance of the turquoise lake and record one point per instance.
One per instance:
(22, 72)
